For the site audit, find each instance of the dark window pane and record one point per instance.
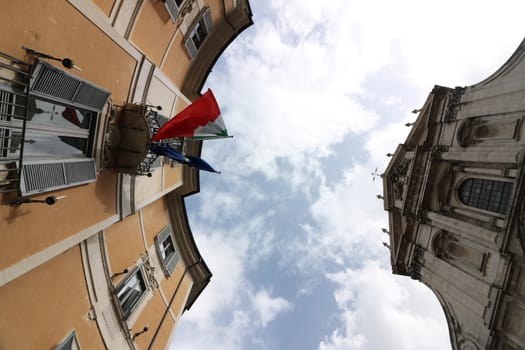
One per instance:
(486, 194)
(199, 33)
(130, 293)
(52, 114)
(45, 145)
(167, 249)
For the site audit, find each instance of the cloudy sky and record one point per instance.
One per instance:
(316, 93)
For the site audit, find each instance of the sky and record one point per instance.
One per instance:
(316, 93)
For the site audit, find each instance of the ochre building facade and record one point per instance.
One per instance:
(454, 195)
(112, 263)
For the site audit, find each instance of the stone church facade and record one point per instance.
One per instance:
(454, 195)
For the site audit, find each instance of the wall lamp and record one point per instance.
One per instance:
(50, 200)
(119, 273)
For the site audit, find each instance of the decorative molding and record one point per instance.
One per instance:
(18, 269)
(186, 8)
(399, 179)
(149, 272)
(436, 152)
(99, 19)
(417, 262)
(454, 99)
(422, 217)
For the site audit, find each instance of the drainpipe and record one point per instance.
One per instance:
(171, 302)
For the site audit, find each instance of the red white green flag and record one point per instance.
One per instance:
(200, 119)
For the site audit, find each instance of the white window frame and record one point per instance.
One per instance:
(173, 8)
(168, 262)
(126, 314)
(69, 343)
(193, 46)
(58, 88)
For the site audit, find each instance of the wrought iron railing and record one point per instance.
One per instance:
(15, 76)
(152, 159)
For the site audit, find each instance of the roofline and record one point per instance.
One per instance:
(511, 62)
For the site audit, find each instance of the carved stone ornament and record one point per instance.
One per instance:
(468, 345)
(399, 179)
(417, 262)
(149, 271)
(437, 151)
(469, 131)
(440, 244)
(453, 104)
(186, 8)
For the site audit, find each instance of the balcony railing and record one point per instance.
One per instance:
(15, 76)
(130, 139)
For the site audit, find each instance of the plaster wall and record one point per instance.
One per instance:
(43, 306)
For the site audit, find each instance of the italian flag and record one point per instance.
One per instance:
(200, 119)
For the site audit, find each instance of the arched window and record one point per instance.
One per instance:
(486, 194)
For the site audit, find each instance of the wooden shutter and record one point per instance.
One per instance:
(171, 261)
(190, 46)
(56, 84)
(172, 9)
(208, 21)
(48, 175)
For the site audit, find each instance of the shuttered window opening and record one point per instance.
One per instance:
(59, 126)
(52, 82)
(42, 176)
(199, 33)
(173, 6)
(130, 292)
(167, 250)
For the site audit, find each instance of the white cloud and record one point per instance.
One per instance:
(218, 206)
(287, 84)
(293, 87)
(226, 260)
(229, 307)
(268, 307)
(376, 312)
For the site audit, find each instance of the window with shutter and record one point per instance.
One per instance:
(199, 33)
(173, 6)
(130, 292)
(167, 250)
(52, 129)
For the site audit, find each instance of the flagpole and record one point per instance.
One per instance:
(201, 138)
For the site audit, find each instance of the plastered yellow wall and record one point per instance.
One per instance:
(105, 5)
(177, 60)
(150, 316)
(180, 298)
(147, 187)
(124, 243)
(41, 307)
(153, 30)
(165, 331)
(172, 175)
(29, 228)
(169, 285)
(155, 218)
(57, 28)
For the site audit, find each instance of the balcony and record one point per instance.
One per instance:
(48, 127)
(129, 139)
